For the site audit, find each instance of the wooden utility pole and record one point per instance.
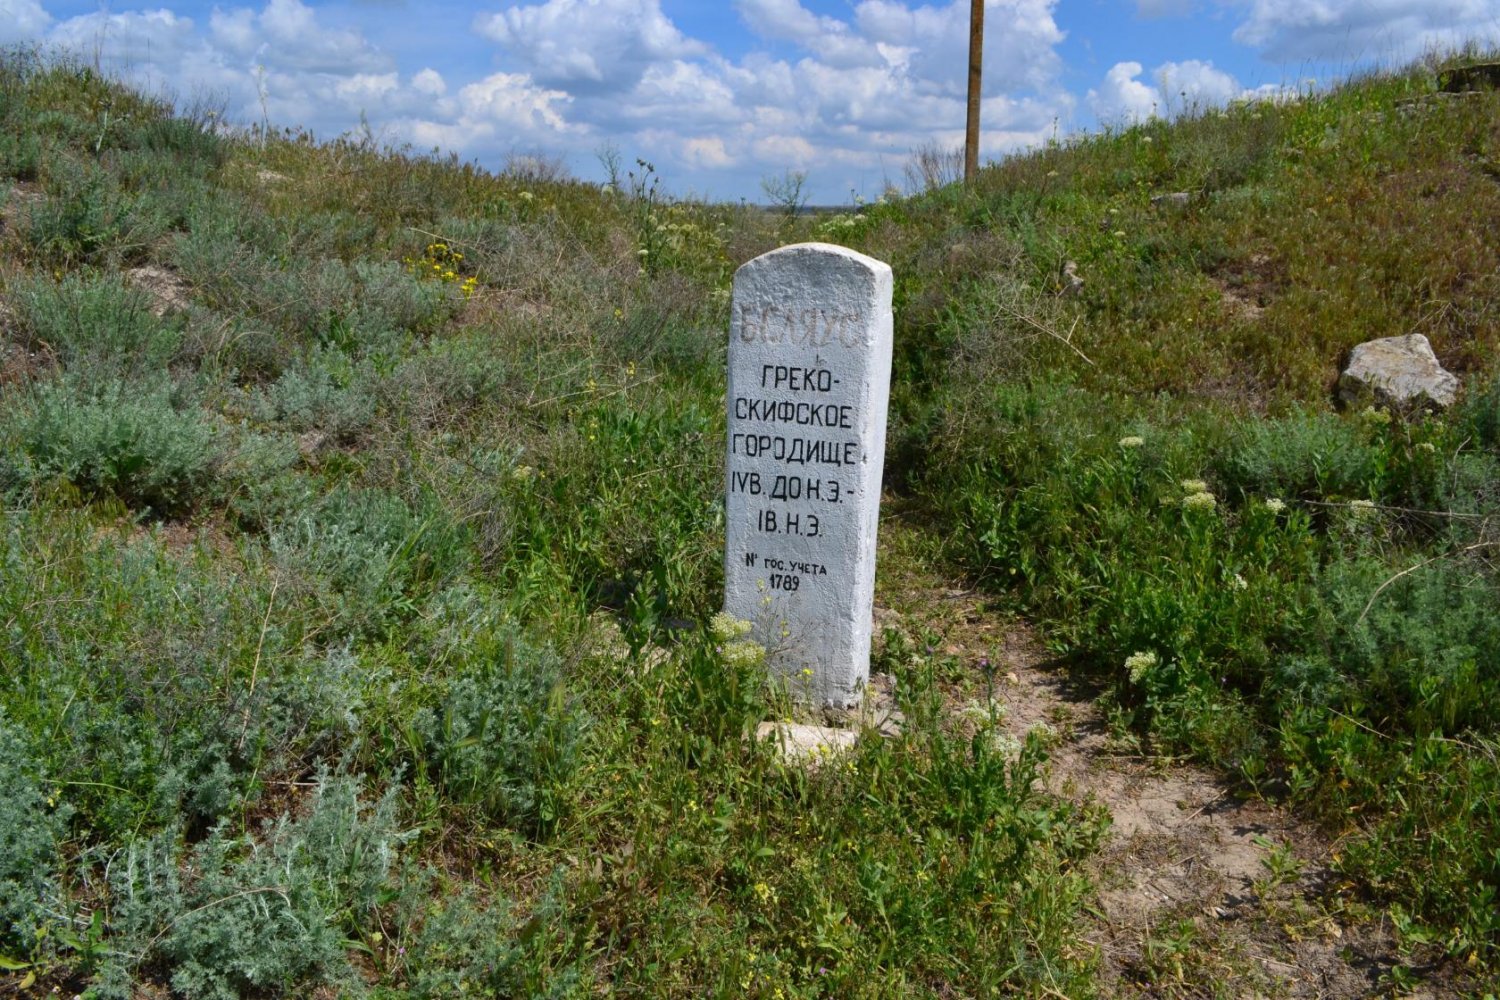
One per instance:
(976, 62)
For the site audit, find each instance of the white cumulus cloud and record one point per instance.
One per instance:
(588, 46)
(151, 39)
(1122, 97)
(430, 82)
(1173, 87)
(786, 20)
(511, 99)
(22, 21)
(278, 61)
(830, 40)
(1020, 40)
(1192, 84)
(285, 35)
(707, 151)
(846, 94)
(823, 91)
(1391, 31)
(367, 89)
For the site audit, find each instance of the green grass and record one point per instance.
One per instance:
(1318, 630)
(352, 609)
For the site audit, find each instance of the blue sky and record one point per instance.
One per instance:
(721, 95)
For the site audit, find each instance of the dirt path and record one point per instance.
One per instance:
(1203, 892)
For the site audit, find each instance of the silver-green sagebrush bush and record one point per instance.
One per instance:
(31, 826)
(368, 555)
(94, 325)
(508, 736)
(88, 218)
(328, 393)
(268, 910)
(129, 441)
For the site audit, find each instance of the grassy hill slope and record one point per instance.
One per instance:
(355, 501)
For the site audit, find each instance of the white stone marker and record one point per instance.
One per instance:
(809, 382)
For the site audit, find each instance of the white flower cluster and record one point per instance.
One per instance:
(1005, 744)
(1138, 665)
(730, 632)
(1132, 441)
(1201, 500)
(725, 627)
(980, 712)
(743, 654)
(838, 224)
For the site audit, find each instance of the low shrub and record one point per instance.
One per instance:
(31, 828)
(1321, 457)
(327, 393)
(444, 381)
(651, 458)
(390, 296)
(369, 557)
(20, 156)
(266, 910)
(97, 326)
(87, 219)
(115, 439)
(462, 944)
(508, 737)
(719, 690)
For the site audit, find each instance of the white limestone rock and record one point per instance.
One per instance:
(1397, 372)
(1173, 199)
(803, 744)
(1072, 284)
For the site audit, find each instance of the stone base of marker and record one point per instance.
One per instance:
(804, 744)
(811, 744)
(809, 382)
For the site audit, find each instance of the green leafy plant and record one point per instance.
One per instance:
(87, 218)
(97, 326)
(508, 737)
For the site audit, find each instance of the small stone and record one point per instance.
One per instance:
(1175, 199)
(1397, 372)
(309, 444)
(1072, 284)
(21, 197)
(892, 723)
